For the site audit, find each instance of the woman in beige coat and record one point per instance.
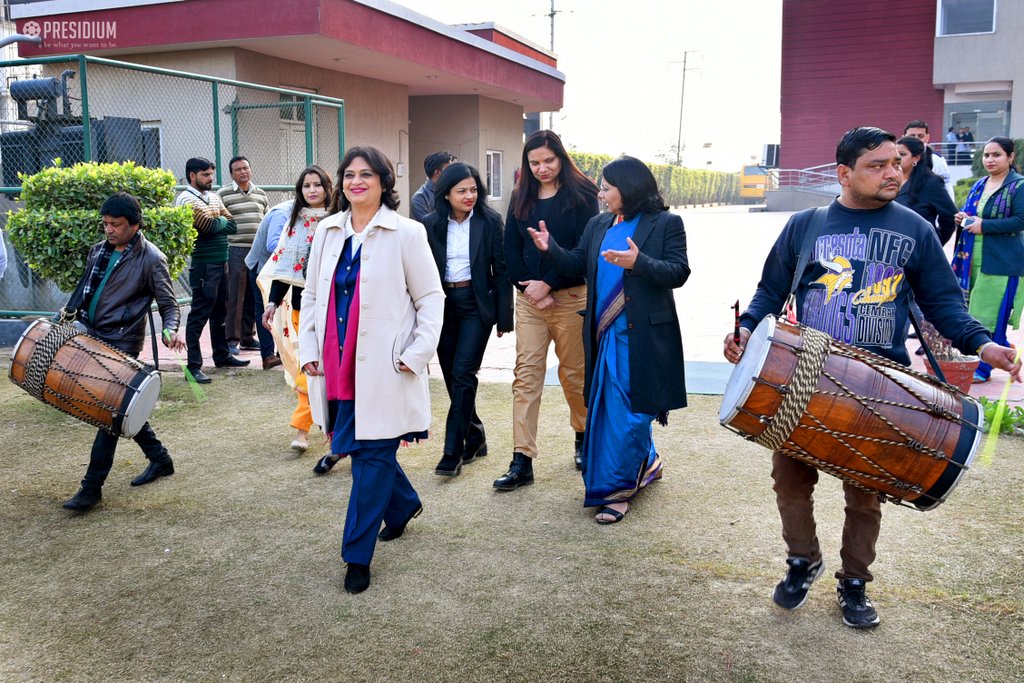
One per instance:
(372, 315)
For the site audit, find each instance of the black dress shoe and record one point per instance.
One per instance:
(200, 377)
(578, 457)
(156, 469)
(474, 453)
(324, 464)
(449, 466)
(390, 533)
(249, 345)
(520, 473)
(231, 362)
(86, 499)
(357, 578)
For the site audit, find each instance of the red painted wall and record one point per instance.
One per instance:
(499, 38)
(847, 64)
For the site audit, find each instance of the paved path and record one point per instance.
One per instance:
(726, 247)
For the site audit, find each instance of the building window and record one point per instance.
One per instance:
(292, 108)
(957, 17)
(494, 160)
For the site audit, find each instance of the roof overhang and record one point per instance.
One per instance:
(374, 39)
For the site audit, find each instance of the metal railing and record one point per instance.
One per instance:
(817, 179)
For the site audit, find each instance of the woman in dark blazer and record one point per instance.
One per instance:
(466, 238)
(632, 256)
(922, 190)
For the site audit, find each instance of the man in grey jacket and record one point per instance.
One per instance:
(123, 275)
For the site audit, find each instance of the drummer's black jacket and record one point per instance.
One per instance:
(857, 283)
(140, 276)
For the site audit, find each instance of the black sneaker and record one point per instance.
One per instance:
(858, 612)
(791, 593)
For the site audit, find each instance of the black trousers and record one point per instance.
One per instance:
(460, 352)
(103, 447)
(209, 304)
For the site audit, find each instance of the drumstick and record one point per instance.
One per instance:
(736, 321)
(997, 421)
(192, 383)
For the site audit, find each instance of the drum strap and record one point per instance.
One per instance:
(813, 230)
(924, 342)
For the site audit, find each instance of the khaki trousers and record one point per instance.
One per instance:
(794, 489)
(535, 330)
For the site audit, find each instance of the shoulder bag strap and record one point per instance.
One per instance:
(813, 230)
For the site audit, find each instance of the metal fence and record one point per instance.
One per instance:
(81, 108)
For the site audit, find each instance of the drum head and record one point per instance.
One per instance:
(141, 405)
(741, 381)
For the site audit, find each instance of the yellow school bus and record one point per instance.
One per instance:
(753, 183)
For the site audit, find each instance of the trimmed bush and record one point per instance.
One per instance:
(678, 185)
(61, 218)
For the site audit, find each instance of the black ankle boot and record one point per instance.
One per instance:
(520, 473)
(155, 470)
(86, 499)
(578, 457)
(449, 466)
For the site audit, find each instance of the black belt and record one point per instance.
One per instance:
(458, 285)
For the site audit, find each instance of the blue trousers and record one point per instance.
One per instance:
(380, 493)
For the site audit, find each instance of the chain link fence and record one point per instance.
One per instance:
(78, 108)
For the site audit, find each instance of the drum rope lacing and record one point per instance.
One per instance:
(44, 356)
(811, 357)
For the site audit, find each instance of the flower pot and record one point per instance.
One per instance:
(959, 373)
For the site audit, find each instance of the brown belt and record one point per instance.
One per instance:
(458, 285)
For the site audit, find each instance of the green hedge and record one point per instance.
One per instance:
(61, 218)
(56, 242)
(678, 185)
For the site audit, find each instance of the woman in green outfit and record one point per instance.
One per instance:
(989, 258)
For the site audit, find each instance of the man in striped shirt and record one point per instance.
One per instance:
(208, 268)
(247, 204)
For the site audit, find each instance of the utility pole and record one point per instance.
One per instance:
(682, 99)
(551, 16)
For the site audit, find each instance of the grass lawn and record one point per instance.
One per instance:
(230, 570)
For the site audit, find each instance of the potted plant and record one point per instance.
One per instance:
(957, 368)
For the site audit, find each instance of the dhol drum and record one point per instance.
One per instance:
(852, 414)
(84, 377)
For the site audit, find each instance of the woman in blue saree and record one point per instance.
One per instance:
(632, 256)
(989, 257)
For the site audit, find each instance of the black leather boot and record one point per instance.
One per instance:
(86, 499)
(449, 466)
(357, 578)
(578, 457)
(520, 473)
(155, 470)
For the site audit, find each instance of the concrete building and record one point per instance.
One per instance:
(411, 85)
(874, 62)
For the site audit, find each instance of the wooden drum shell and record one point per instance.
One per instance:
(851, 437)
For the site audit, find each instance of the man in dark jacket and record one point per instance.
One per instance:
(866, 259)
(123, 275)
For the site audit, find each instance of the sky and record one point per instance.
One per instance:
(623, 67)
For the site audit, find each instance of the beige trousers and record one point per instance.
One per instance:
(535, 330)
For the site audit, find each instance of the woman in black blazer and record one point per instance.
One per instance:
(922, 190)
(633, 257)
(467, 241)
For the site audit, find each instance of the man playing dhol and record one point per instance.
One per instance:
(123, 275)
(871, 237)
